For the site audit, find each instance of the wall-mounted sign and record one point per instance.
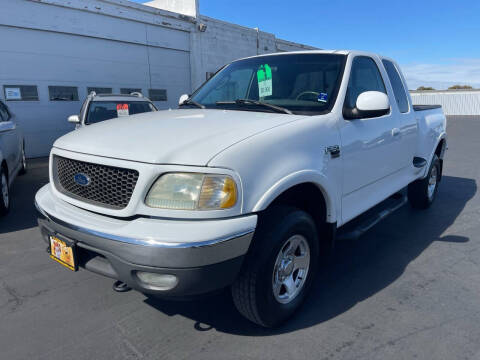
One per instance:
(13, 94)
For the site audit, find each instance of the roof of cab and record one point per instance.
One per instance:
(340, 52)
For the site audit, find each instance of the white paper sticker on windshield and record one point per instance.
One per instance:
(122, 110)
(264, 77)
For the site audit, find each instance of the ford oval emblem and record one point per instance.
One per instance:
(81, 179)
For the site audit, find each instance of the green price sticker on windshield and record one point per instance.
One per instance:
(264, 78)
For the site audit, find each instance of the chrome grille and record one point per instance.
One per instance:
(106, 186)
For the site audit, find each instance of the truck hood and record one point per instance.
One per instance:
(186, 136)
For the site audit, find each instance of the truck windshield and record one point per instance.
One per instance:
(297, 83)
(105, 110)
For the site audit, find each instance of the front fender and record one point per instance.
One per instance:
(297, 178)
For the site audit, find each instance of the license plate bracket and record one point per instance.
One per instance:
(63, 252)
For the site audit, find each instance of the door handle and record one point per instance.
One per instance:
(395, 131)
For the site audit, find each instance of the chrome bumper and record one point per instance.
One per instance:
(166, 242)
(204, 258)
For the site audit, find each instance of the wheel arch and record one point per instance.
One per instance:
(439, 150)
(310, 181)
(312, 198)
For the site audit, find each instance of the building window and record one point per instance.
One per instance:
(20, 92)
(157, 94)
(63, 93)
(99, 90)
(128, 91)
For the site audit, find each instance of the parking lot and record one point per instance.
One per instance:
(407, 289)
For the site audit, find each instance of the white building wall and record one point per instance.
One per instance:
(110, 43)
(453, 102)
(87, 44)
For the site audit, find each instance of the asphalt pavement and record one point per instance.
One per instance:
(407, 289)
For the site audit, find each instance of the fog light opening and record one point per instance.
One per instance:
(162, 282)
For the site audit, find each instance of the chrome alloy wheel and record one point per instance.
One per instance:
(5, 195)
(291, 269)
(432, 182)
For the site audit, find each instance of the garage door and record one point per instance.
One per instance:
(43, 59)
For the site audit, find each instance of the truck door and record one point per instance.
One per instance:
(370, 146)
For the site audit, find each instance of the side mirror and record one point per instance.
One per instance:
(74, 119)
(369, 104)
(183, 98)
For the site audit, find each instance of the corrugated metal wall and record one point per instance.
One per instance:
(453, 102)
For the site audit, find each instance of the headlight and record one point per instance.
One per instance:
(184, 191)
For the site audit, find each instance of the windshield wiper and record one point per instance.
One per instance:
(256, 102)
(193, 102)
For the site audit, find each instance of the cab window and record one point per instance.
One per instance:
(397, 85)
(364, 76)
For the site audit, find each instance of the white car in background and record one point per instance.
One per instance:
(12, 155)
(101, 107)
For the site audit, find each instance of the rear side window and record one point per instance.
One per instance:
(364, 76)
(397, 85)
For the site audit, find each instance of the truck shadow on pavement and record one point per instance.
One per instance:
(22, 214)
(355, 271)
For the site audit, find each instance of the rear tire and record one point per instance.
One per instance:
(422, 192)
(4, 192)
(280, 267)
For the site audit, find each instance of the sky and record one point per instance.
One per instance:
(436, 43)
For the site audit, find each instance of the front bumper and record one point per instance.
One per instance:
(204, 255)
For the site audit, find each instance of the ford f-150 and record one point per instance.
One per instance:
(246, 184)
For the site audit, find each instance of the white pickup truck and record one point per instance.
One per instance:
(246, 184)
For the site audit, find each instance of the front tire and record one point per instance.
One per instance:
(280, 268)
(4, 192)
(422, 192)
